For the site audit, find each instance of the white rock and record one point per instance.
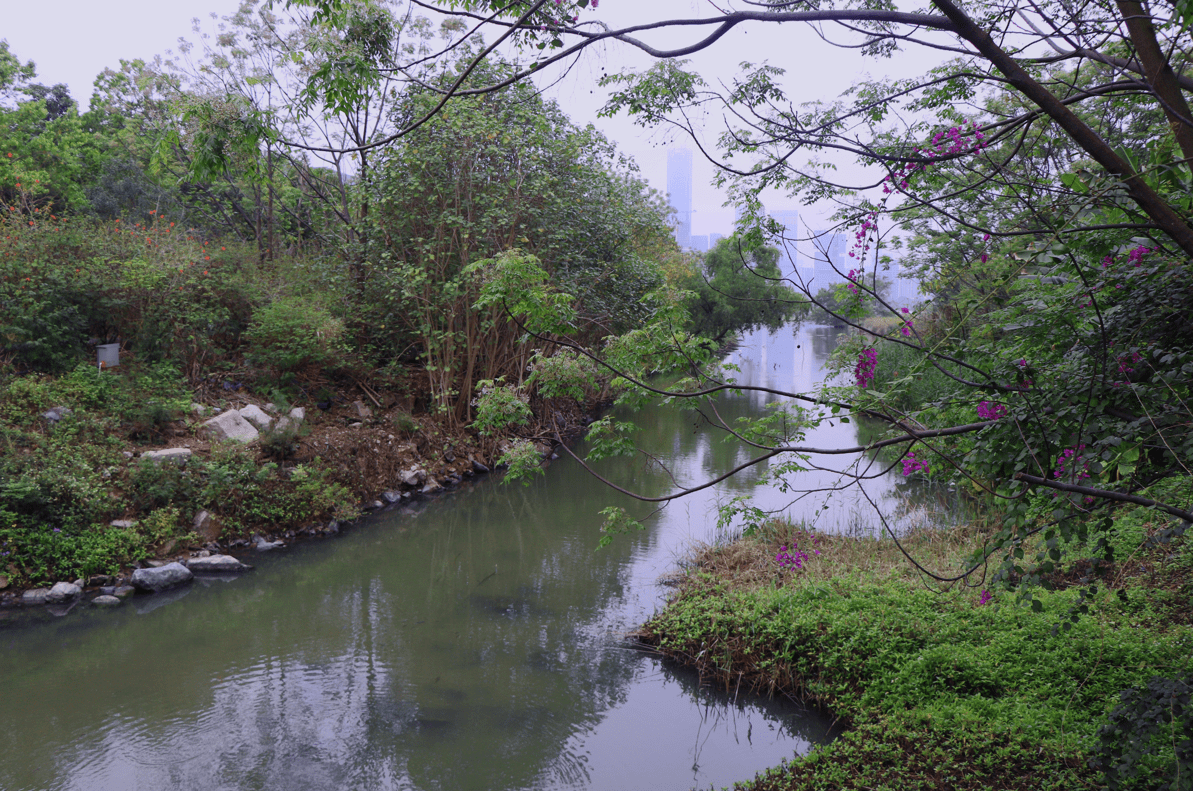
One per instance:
(215, 563)
(255, 415)
(63, 591)
(298, 413)
(105, 601)
(57, 413)
(413, 476)
(35, 596)
(230, 426)
(123, 523)
(172, 455)
(158, 579)
(198, 409)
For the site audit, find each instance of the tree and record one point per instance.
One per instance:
(47, 158)
(1092, 422)
(738, 289)
(488, 174)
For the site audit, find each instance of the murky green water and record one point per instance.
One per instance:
(472, 643)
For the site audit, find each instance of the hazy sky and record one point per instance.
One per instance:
(71, 41)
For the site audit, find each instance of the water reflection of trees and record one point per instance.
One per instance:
(457, 646)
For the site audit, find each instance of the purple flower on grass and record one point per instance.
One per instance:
(986, 597)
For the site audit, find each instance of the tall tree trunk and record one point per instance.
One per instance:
(1144, 196)
(1159, 73)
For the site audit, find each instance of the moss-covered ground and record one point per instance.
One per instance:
(933, 688)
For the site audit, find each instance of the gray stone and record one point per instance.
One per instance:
(333, 527)
(374, 505)
(255, 415)
(478, 467)
(205, 527)
(124, 591)
(391, 497)
(432, 486)
(215, 564)
(230, 426)
(156, 564)
(413, 476)
(198, 409)
(270, 407)
(265, 546)
(362, 409)
(298, 414)
(105, 601)
(172, 455)
(357, 424)
(56, 414)
(123, 523)
(35, 596)
(62, 592)
(128, 454)
(159, 579)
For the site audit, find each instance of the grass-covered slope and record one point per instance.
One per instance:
(934, 688)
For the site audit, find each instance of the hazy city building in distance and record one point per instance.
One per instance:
(679, 194)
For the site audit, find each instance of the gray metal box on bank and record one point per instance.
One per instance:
(107, 355)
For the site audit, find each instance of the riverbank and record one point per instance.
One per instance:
(955, 688)
(142, 469)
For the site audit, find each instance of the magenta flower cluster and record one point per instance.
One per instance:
(791, 559)
(988, 410)
(956, 140)
(1072, 464)
(861, 238)
(794, 558)
(908, 325)
(1138, 253)
(912, 464)
(867, 364)
(852, 279)
(1125, 361)
(986, 597)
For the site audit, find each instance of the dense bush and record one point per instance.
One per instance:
(296, 332)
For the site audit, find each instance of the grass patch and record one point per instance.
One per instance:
(937, 689)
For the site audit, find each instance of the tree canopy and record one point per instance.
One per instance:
(1040, 179)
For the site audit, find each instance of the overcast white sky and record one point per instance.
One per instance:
(71, 41)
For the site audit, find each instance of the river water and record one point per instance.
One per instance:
(473, 642)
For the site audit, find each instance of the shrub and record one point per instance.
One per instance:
(280, 441)
(294, 333)
(157, 485)
(44, 554)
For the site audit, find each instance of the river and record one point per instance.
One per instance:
(471, 642)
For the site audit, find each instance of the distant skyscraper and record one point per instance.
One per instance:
(829, 245)
(713, 238)
(679, 193)
(699, 242)
(788, 255)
